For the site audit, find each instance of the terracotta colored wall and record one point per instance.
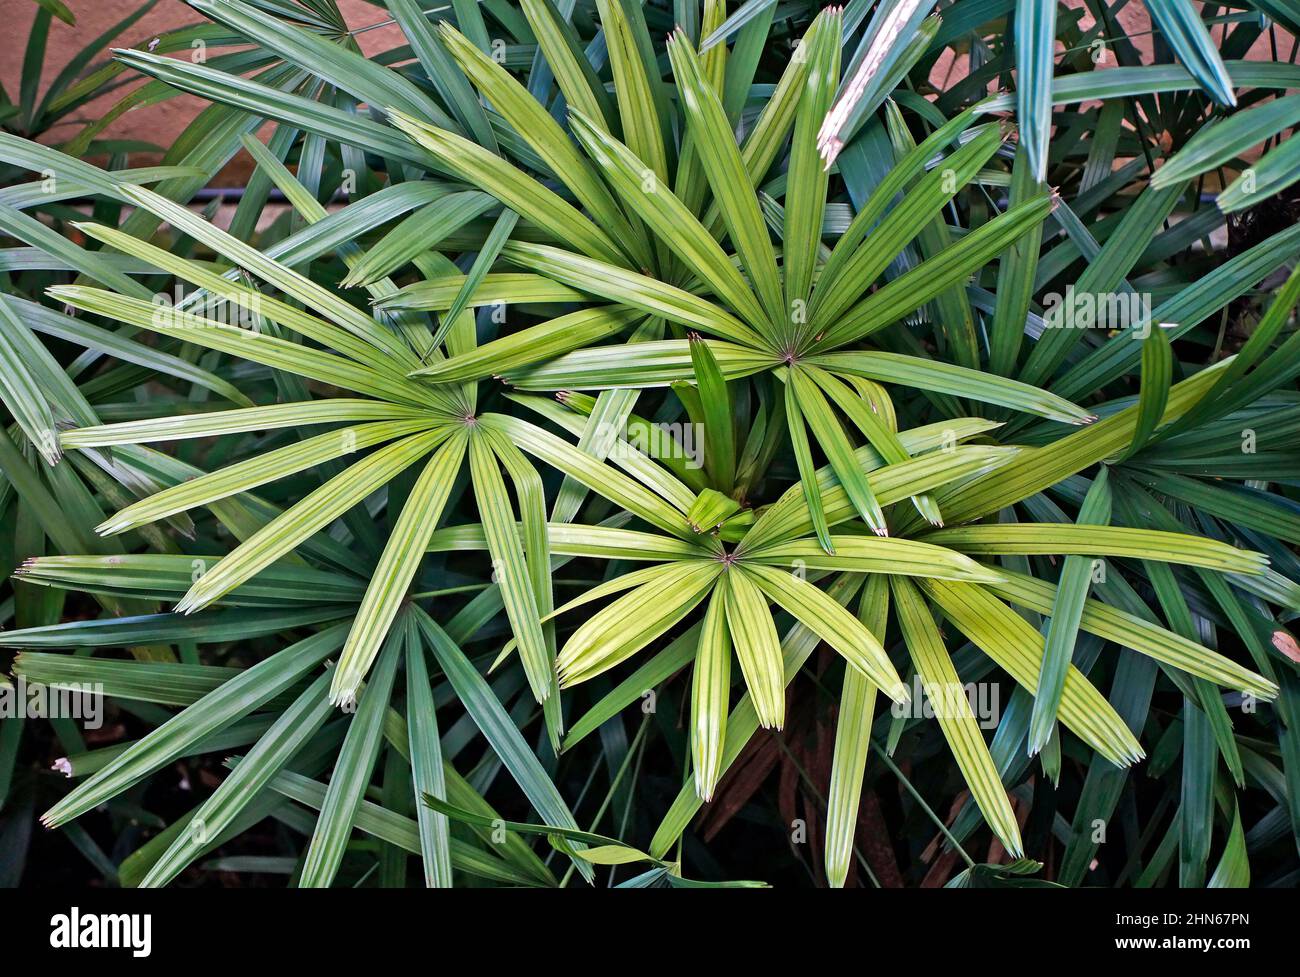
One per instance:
(162, 123)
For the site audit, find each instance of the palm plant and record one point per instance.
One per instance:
(775, 319)
(776, 235)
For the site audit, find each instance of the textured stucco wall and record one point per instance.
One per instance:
(162, 123)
